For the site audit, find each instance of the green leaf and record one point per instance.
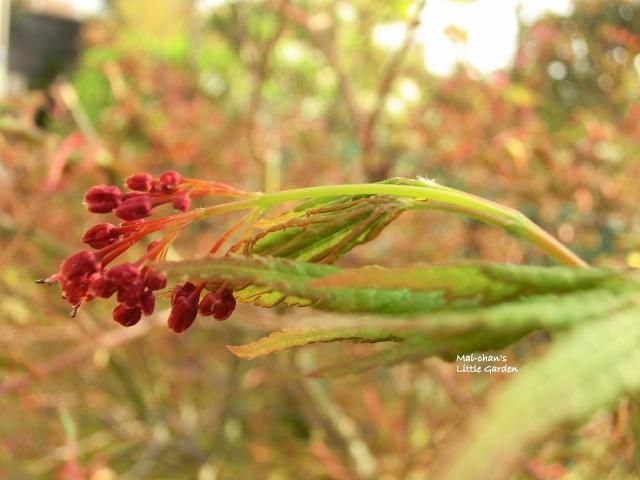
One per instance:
(587, 369)
(323, 232)
(548, 312)
(447, 334)
(388, 291)
(318, 230)
(296, 337)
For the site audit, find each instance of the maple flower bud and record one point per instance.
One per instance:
(126, 316)
(183, 313)
(169, 181)
(100, 235)
(182, 290)
(140, 182)
(156, 186)
(80, 263)
(134, 208)
(128, 195)
(75, 273)
(225, 308)
(74, 290)
(102, 287)
(123, 274)
(182, 203)
(155, 280)
(208, 303)
(131, 293)
(147, 302)
(102, 198)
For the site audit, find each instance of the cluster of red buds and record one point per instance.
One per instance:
(85, 275)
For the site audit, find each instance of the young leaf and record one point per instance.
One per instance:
(587, 369)
(296, 337)
(389, 291)
(325, 231)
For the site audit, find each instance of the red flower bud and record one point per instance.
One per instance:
(123, 274)
(219, 304)
(100, 235)
(225, 308)
(75, 289)
(131, 293)
(128, 195)
(182, 203)
(147, 302)
(183, 313)
(134, 208)
(208, 303)
(169, 181)
(156, 186)
(182, 290)
(102, 287)
(140, 182)
(126, 316)
(156, 280)
(80, 263)
(75, 273)
(102, 198)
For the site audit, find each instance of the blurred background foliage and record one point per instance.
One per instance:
(279, 94)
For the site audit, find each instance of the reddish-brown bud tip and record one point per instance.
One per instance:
(155, 280)
(74, 275)
(182, 203)
(74, 290)
(134, 208)
(183, 313)
(169, 181)
(102, 198)
(102, 287)
(100, 235)
(208, 303)
(80, 263)
(225, 308)
(147, 302)
(156, 186)
(218, 304)
(140, 182)
(123, 274)
(126, 316)
(131, 293)
(182, 290)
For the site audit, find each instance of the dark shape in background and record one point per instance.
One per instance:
(42, 46)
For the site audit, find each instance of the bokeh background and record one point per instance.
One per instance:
(534, 104)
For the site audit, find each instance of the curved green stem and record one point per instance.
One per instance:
(438, 197)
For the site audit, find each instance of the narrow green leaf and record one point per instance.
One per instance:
(296, 337)
(390, 291)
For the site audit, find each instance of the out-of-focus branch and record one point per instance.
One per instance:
(299, 17)
(372, 167)
(261, 72)
(364, 122)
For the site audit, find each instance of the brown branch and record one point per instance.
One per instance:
(364, 123)
(261, 72)
(299, 17)
(372, 169)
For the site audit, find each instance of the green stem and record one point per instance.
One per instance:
(443, 198)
